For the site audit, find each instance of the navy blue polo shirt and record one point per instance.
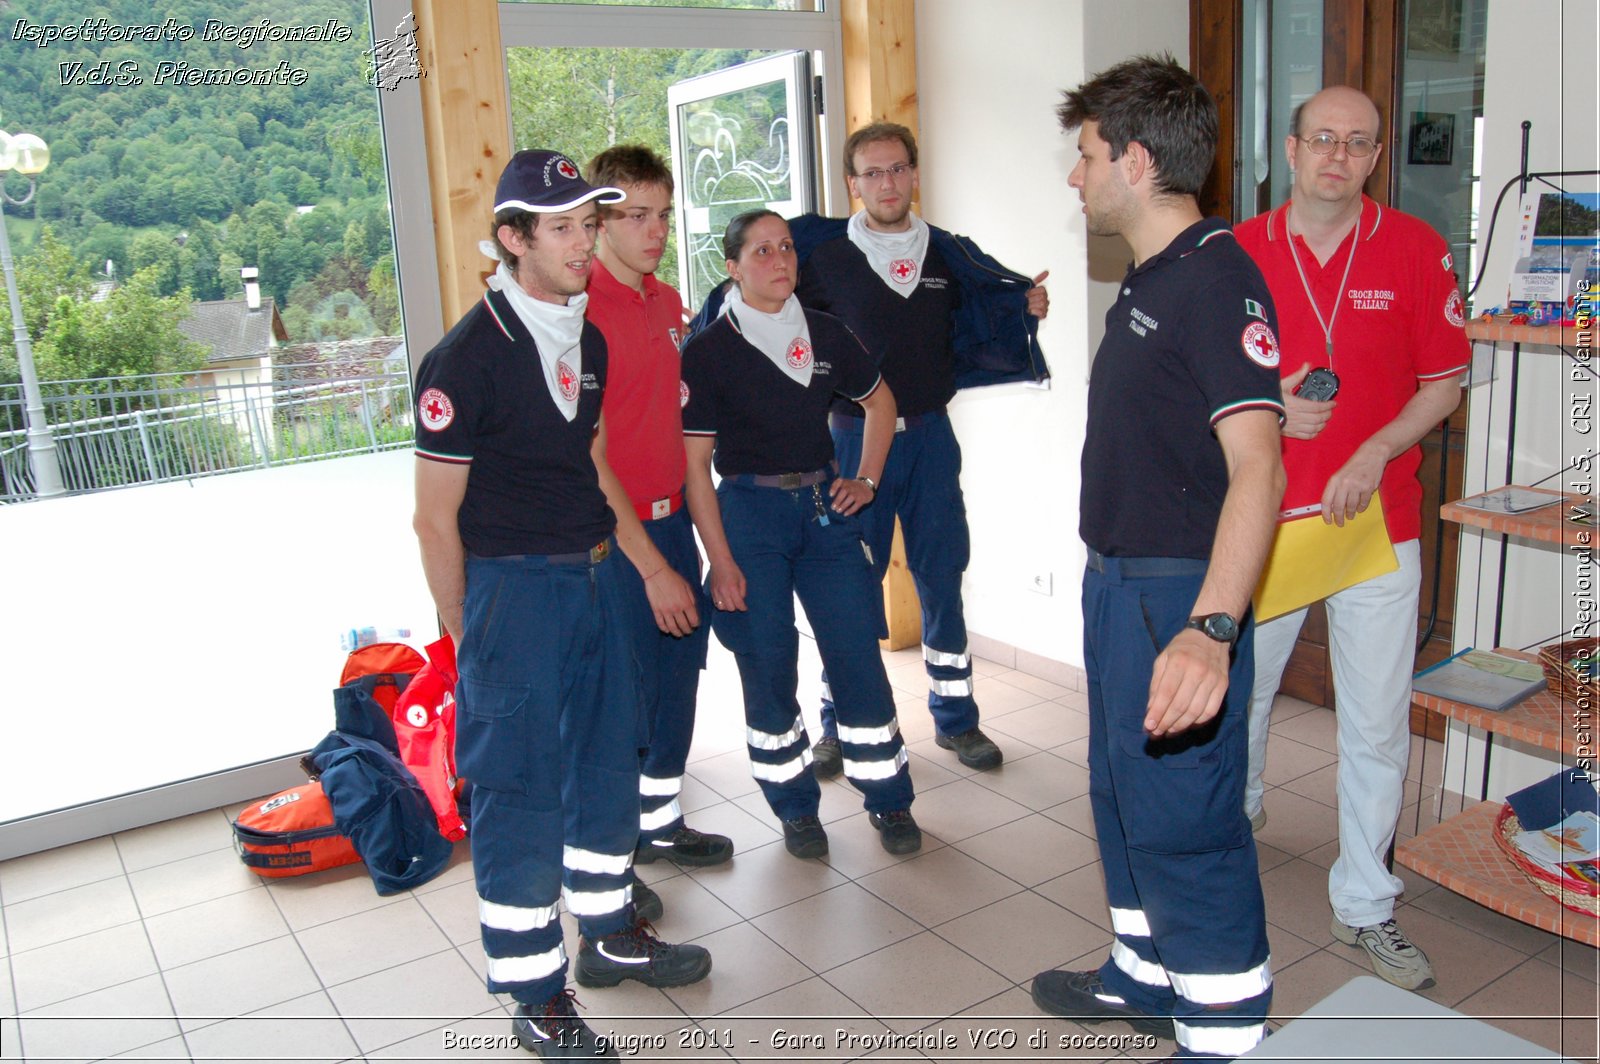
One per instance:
(1190, 340)
(907, 336)
(482, 399)
(765, 421)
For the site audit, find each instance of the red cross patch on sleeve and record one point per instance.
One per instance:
(435, 410)
(1260, 345)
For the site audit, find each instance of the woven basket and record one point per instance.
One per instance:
(1563, 679)
(1579, 895)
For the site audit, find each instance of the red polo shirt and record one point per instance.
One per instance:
(1399, 324)
(643, 402)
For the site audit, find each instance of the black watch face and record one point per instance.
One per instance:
(1221, 627)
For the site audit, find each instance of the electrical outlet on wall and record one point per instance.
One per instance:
(1043, 583)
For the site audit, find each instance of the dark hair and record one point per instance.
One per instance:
(733, 237)
(871, 135)
(627, 164)
(1155, 101)
(523, 222)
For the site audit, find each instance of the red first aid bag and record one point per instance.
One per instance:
(291, 833)
(425, 730)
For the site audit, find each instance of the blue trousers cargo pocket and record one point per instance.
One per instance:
(494, 734)
(1204, 764)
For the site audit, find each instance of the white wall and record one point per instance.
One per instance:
(994, 166)
(1550, 79)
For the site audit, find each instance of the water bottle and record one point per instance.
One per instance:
(355, 638)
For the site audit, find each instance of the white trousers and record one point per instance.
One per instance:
(1372, 638)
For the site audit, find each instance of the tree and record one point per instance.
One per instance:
(134, 332)
(46, 274)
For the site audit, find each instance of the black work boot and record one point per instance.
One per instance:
(686, 847)
(638, 954)
(553, 1031)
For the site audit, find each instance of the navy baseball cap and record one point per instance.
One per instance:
(547, 182)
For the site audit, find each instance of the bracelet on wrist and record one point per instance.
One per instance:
(869, 482)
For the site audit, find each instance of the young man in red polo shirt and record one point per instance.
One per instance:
(642, 321)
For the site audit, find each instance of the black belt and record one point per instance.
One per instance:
(1143, 568)
(593, 556)
(851, 423)
(787, 481)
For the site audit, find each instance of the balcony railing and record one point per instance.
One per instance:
(121, 431)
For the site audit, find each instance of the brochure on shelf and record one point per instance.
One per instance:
(1481, 678)
(1511, 500)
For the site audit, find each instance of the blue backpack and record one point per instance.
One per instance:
(376, 800)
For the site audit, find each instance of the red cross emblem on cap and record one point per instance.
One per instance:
(902, 270)
(1260, 345)
(566, 380)
(567, 170)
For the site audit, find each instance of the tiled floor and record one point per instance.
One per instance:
(157, 944)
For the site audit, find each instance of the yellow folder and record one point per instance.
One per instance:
(1311, 560)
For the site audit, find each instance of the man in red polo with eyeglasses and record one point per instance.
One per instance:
(1369, 293)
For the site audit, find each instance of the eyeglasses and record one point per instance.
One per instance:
(897, 171)
(1356, 147)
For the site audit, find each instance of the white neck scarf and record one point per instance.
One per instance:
(895, 257)
(556, 329)
(784, 337)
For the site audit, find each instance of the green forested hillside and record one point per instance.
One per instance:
(152, 168)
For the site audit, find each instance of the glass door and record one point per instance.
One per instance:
(742, 138)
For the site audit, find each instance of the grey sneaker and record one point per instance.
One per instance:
(1391, 954)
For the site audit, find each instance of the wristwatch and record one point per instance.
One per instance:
(869, 482)
(1219, 626)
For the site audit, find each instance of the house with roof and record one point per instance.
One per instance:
(239, 337)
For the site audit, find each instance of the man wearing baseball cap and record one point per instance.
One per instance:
(516, 541)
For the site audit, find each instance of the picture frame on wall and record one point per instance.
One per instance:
(1433, 29)
(1432, 139)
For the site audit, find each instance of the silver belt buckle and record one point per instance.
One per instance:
(790, 481)
(660, 508)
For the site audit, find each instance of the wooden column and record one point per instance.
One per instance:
(880, 85)
(467, 128)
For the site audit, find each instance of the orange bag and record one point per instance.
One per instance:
(291, 833)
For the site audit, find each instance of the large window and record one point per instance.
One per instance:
(648, 48)
(209, 292)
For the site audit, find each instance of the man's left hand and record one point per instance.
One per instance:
(672, 602)
(1187, 684)
(1038, 298)
(1350, 489)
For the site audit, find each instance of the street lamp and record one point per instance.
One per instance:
(28, 155)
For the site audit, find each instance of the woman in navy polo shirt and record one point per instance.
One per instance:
(758, 382)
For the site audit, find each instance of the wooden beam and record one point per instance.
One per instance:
(466, 126)
(880, 65)
(1214, 58)
(880, 85)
